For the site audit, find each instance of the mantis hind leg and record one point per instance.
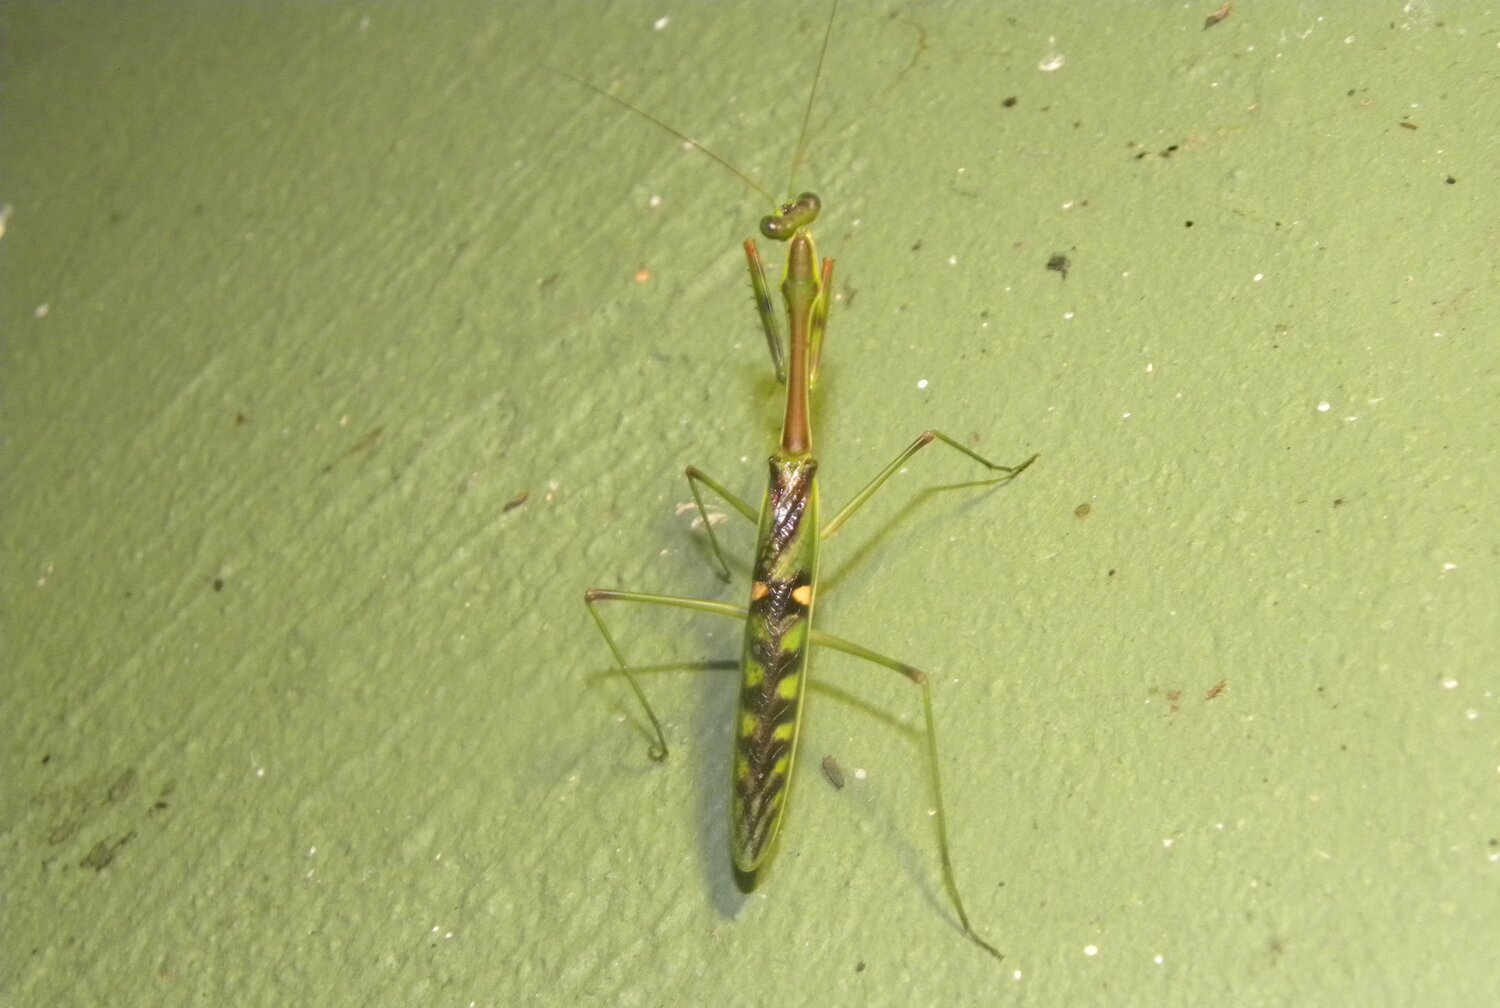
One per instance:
(658, 751)
(591, 596)
(917, 676)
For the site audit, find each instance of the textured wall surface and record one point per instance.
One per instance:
(344, 345)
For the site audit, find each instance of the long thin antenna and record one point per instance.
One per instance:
(812, 94)
(678, 133)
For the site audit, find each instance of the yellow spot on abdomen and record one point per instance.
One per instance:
(803, 596)
(789, 688)
(754, 675)
(759, 590)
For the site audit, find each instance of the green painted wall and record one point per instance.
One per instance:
(297, 297)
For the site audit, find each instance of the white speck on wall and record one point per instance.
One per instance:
(1324, 407)
(661, 23)
(922, 383)
(655, 202)
(1091, 950)
(1054, 60)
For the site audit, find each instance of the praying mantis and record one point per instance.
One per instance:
(779, 633)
